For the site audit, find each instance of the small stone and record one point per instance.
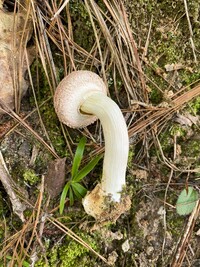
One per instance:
(126, 246)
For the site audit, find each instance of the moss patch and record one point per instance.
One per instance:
(70, 253)
(168, 43)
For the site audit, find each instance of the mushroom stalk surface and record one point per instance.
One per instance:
(79, 100)
(116, 142)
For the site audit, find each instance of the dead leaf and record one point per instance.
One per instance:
(55, 177)
(15, 32)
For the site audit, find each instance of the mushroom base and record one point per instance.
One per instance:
(102, 208)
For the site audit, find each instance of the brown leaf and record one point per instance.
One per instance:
(15, 57)
(55, 177)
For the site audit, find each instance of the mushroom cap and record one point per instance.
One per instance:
(71, 92)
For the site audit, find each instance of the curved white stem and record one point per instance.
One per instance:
(116, 142)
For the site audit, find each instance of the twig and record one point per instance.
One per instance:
(147, 40)
(190, 30)
(165, 198)
(18, 207)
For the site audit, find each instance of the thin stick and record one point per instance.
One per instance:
(185, 240)
(190, 30)
(60, 9)
(147, 40)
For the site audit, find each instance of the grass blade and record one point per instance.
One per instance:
(90, 166)
(78, 156)
(71, 196)
(79, 190)
(63, 197)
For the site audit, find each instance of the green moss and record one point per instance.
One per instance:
(174, 221)
(70, 253)
(82, 28)
(131, 157)
(73, 254)
(166, 141)
(169, 42)
(191, 148)
(30, 177)
(47, 111)
(155, 96)
(177, 130)
(53, 128)
(189, 77)
(195, 106)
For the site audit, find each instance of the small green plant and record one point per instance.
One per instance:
(73, 188)
(187, 201)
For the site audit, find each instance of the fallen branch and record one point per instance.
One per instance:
(8, 183)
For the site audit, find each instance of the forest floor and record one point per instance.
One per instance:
(147, 53)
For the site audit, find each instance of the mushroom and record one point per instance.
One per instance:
(79, 100)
